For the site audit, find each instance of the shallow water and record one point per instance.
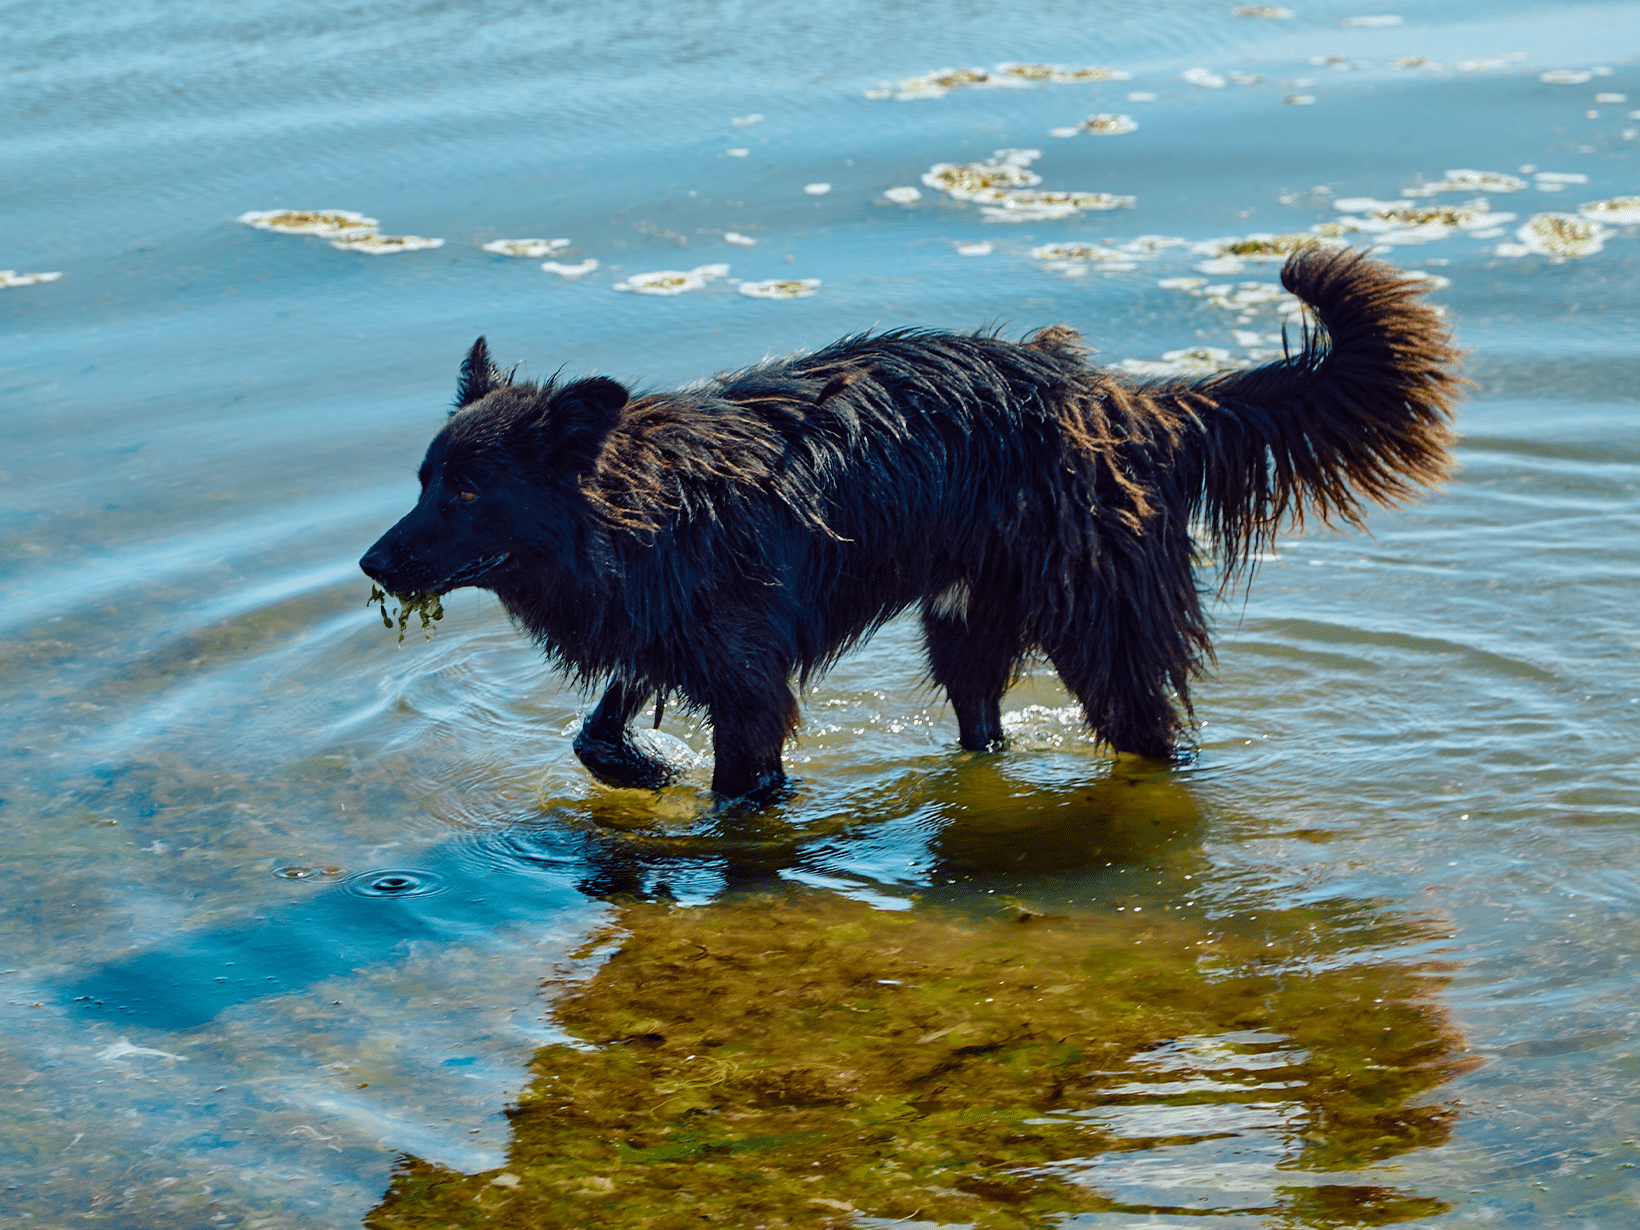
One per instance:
(286, 905)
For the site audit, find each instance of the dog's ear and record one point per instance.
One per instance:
(583, 413)
(479, 376)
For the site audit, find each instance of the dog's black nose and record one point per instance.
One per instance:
(374, 563)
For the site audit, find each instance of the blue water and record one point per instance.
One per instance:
(206, 424)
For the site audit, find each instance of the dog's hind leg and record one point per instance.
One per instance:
(973, 650)
(1129, 652)
(612, 753)
(1126, 700)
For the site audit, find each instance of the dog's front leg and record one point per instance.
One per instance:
(749, 730)
(613, 754)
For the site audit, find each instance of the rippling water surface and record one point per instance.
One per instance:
(302, 929)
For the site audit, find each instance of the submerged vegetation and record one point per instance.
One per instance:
(804, 1059)
(425, 603)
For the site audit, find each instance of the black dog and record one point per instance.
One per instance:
(716, 543)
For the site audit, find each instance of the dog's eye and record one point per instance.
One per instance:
(467, 497)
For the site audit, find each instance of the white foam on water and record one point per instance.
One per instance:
(781, 288)
(672, 281)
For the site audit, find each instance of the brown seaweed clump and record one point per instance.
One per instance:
(805, 1060)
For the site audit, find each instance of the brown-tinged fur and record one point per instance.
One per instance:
(715, 543)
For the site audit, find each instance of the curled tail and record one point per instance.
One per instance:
(1361, 412)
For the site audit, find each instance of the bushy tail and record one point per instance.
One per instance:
(1361, 412)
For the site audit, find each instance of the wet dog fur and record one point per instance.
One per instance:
(716, 544)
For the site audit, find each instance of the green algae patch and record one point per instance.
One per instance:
(806, 1060)
(424, 603)
(328, 767)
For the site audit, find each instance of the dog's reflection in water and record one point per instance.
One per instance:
(1004, 1046)
(802, 1058)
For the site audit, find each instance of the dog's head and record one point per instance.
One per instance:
(501, 480)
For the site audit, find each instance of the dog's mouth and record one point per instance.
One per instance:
(469, 574)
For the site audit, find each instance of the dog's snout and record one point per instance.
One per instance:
(375, 563)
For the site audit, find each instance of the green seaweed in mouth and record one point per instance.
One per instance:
(423, 602)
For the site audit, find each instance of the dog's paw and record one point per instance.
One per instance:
(637, 760)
